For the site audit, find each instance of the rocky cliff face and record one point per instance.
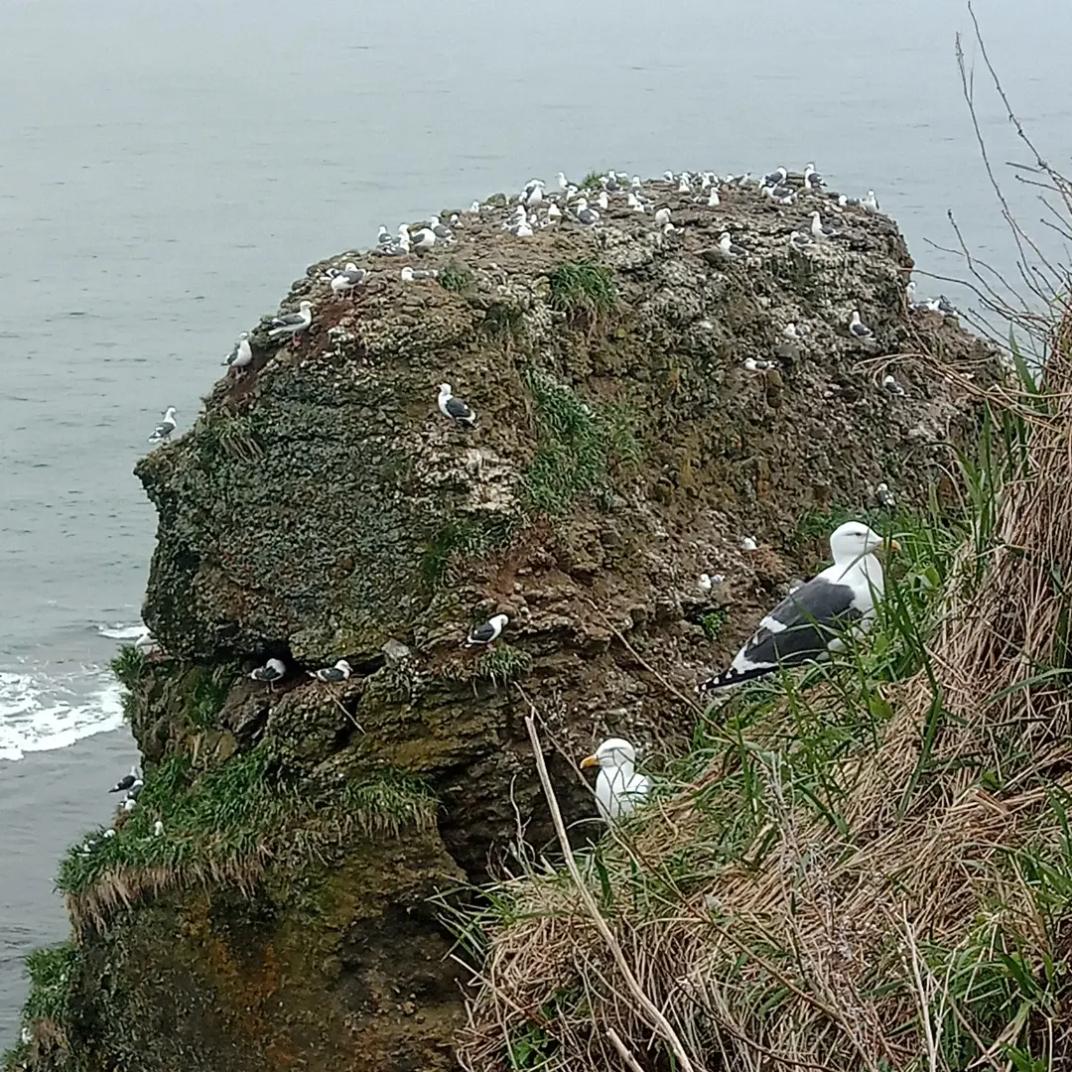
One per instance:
(289, 913)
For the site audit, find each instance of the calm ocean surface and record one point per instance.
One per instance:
(167, 170)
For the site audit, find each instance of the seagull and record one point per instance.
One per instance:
(125, 782)
(585, 214)
(348, 279)
(812, 179)
(454, 408)
(889, 382)
(423, 240)
(619, 789)
(273, 670)
(383, 238)
(162, 432)
(331, 674)
(942, 305)
(752, 364)
(705, 584)
(748, 544)
(440, 230)
(484, 635)
(818, 231)
(729, 248)
(158, 828)
(602, 200)
(634, 202)
(242, 354)
(799, 240)
(554, 213)
(857, 328)
(662, 217)
(870, 202)
(775, 178)
(473, 209)
(417, 275)
(885, 496)
(129, 804)
(561, 181)
(712, 198)
(790, 331)
(292, 324)
(808, 624)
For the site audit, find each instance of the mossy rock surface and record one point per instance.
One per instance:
(321, 507)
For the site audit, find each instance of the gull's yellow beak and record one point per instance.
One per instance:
(589, 761)
(893, 544)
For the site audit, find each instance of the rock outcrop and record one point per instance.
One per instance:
(291, 913)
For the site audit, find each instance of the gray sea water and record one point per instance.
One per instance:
(167, 169)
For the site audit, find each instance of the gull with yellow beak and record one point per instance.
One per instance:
(619, 789)
(818, 617)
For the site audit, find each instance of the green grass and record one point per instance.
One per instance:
(577, 447)
(51, 971)
(461, 537)
(504, 321)
(208, 694)
(503, 663)
(592, 180)
(129, 666)
(712, 623)
(456, 277)
(225, 825)
(583, 288)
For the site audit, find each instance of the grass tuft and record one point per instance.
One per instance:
(129, 666)
(592, 180)
(460, 537)
(456, 277)
(583, 288)
(503, 663)
(712, 623)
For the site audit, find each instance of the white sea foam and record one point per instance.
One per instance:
(119, 631)
(38, 712)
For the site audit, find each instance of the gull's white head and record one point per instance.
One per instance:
(853, 540)
(350, 266)
(306, 306)
(445, 390)
(407, 274)
(344, 666)
(499, 620)
(169, 413)
(809, 168)
(613, 754)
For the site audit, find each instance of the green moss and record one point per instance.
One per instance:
(577, 446)
(712, 623)
(582, 288)
(504, 663)
(592, 179)
(456, 277)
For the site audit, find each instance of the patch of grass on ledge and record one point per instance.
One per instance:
(456, 277)
(46, 1013)
(466, 537)
(503, 663)
(578, 444)
(582, 287)
(224, 828)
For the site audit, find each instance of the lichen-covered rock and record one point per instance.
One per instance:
(322, 507)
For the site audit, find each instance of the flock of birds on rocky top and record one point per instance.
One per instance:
(815, 618)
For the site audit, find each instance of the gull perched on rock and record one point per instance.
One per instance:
(330, 675)
(857, 328)
(889, 382)
(417, 275)
(812, 620)
(775, 178)
(662, 217)
(483, 635)
(440, 230)
(242, 354)
(291, 324)
(818, 231)
(162, 432)
(126, 781)
(870, 202)
(585, 214)
(554, 213)
(729, 248)
(713, 199)
(800, 240)
(273, 670)
(454, 408)
(347, 280)
(812, 179)
(422, 240)
(619, 789)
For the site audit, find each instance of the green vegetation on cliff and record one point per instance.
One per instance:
(223, 827)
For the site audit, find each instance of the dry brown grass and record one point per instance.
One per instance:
(913, 932)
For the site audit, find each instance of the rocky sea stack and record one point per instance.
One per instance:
(641, 410)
